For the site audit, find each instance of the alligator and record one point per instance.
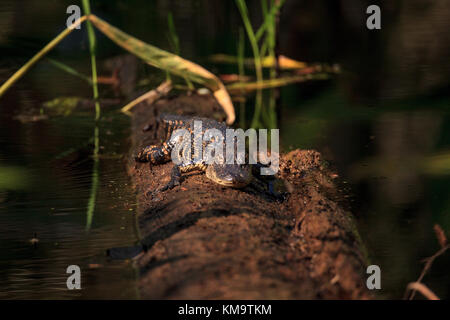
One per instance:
(231, 175)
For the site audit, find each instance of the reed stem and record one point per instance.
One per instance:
(27, 66)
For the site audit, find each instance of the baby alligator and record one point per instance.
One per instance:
(231, 175)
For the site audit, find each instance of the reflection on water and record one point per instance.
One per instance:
(384, 124)
(53, 206)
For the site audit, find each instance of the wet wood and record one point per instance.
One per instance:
(206, 241)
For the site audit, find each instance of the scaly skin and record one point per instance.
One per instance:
(230, 175)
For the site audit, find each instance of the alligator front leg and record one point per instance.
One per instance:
(154, 154)
(175, 179)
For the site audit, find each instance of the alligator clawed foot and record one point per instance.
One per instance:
(153, 193)
(172, 184)
(278, 196)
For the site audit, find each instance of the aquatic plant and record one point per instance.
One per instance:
(241, 68)
(174, 42)
(152, 55)
(95, 168)
(242, 6)
(263, 45)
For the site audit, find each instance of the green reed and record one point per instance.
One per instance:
(174, 42)
(266, 35)
(242, 6)
(241, 67)
(95, 168)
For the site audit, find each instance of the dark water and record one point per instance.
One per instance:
(383, 124)
(51, 201)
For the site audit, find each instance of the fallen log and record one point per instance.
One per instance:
(205, 241)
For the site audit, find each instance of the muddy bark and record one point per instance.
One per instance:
(206, 241)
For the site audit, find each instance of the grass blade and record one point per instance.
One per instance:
(272, 12)
(284, 62)
(92, 44)
(175, 44)
(27, 66)
(69, 70)
(274, 83)
(257, 58)
(95, 169)
(95, 181)
(173, 37)
(241, 68)
(251, 36)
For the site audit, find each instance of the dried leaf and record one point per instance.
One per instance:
(277, 82)
(440, 235)
(423, 289)
(151, 96)
(284, 62)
